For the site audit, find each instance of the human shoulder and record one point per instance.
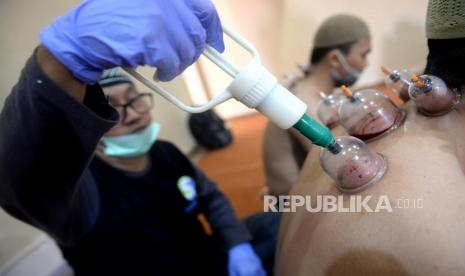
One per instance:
(168, 152)
(416, 149)
(422, 167)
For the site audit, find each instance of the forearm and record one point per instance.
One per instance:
(60, 75)
(220, 214)
(47, 139)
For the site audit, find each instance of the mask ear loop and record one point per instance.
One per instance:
(342, 60)
(305, 69)
(101, 146)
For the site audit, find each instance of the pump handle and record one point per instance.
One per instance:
(217, 59)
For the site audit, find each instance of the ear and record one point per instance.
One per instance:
(332, 59)
(100, 146)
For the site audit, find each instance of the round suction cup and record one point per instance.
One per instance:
(327, 110)
(398, 81)
(354, 167)
(369, 115)
(432, 96)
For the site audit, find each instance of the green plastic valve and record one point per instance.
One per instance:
(317, 133)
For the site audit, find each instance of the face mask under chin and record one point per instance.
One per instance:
(349, 78)
(131, 145)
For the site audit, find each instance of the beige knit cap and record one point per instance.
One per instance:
(340, 29)
(445, 19)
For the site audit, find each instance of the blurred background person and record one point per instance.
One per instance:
(339, 54)
(422, 233)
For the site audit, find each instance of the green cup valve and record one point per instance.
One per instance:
(317, 133)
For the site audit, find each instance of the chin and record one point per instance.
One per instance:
(139, 129)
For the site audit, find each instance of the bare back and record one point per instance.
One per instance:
(414, 241)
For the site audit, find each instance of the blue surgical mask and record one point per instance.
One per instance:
(349, 78)
(131, 145)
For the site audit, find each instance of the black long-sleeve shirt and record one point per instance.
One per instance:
(104, 220)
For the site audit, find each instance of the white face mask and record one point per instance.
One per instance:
(349, 78)
(131, 145)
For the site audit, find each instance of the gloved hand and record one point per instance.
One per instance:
(244, 262)
(100, 34)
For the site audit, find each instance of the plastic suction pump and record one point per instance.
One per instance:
(257, 88)
(318, 134)
(398, 81)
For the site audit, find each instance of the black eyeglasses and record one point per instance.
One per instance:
(140, 104)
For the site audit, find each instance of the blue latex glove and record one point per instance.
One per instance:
(244, 262)
(100, 34)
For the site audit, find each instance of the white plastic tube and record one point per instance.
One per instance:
(253, 86)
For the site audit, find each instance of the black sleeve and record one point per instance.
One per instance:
(211, 201)
(220, 213)
(47, 140)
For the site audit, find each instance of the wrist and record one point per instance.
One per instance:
(59, 74)
(241, 249)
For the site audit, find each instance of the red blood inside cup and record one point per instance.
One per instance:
(437, 102)
(356, 173)
(375, 123)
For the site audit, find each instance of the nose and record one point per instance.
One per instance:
(131, 116)
(365, 63)
(360, 65)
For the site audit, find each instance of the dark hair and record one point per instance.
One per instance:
(320, 52)
(446, 59)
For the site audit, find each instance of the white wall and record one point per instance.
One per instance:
(397, 28)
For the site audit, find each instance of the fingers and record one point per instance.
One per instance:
(194, 24)
(176, 59)
(165, 74)
(208, 17)
(184, 43)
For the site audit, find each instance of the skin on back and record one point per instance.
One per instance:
(423, 164)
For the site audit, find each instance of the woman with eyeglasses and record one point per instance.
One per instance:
(150, 186)
(83, 165)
